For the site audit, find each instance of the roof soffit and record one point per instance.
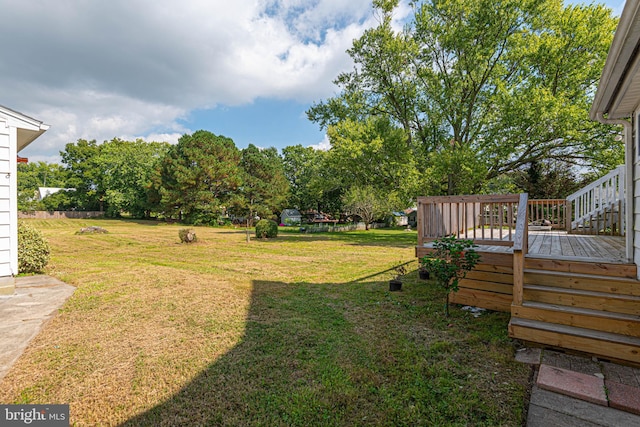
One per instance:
(28, 128)
(618, 91)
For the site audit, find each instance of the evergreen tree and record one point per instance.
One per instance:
(198, 176)
(265, 189)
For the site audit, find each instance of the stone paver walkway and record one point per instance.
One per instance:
(572, 390)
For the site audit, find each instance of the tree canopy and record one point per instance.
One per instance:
(198, 176)
(470, 96)
(488, 86)
(34, 175)
(127, 169)
(80, 160)
(265, 189)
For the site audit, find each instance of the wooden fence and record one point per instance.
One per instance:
(59, 214)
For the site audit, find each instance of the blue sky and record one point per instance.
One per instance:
(148, 69)
(264, 122)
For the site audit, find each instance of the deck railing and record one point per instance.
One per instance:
(599, 205)
(553, 210)
(520, 248)
(485, 219)
(496, 220)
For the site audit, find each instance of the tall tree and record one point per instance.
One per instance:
(80, 160)
(301, 165)
(127, 168)
(197, 177)
(265, 189)
(373, 153)
(367, 202)
(314, 185)
(548, 180)
(505, 82)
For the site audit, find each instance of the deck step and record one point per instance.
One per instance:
(582, 281)
(585, 266)
(608, 345)
(626, 304)
(618, 323)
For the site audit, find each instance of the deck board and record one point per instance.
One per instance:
(535, 242)
(576, 246)
(557, 243)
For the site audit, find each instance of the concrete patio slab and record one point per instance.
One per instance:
(572, 362)
(553, 409)
(530, 356)
(35, 301)
(621, 374)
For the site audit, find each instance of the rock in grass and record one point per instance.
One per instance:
(92, 230)
(187, 235)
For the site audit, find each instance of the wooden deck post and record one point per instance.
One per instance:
(520, 246)
(518, 277)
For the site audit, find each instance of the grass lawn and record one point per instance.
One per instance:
(296, 331)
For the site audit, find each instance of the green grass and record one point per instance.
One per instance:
(296, 331)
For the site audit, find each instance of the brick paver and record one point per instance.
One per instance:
(578, 391)
(623, 397)
(581, 386)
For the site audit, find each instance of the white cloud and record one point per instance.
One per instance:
(171, 138)
(324, 145)
(98, 70)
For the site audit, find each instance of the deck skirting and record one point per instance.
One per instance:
(591, 305)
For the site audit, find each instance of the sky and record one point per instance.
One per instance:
(158, 69)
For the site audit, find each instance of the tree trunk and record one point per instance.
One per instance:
(446, 305)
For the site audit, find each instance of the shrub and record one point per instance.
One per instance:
(187, 235)
(266, 229)
(450, 262)
(33, 249)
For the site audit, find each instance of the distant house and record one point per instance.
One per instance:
(400, 219)
(16, 132)
(412, 216)
(291, 217)
(47, 191)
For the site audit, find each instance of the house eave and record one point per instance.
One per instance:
(26, 137)
(618, 93)
(28, 128)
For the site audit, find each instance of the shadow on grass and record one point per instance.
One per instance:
(314, 354)
(389, 237)
(378, 237)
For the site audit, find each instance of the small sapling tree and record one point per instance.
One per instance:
(450, 262)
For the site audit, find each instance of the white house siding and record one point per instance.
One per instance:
(636, 190)
(16, 132)
(8, 259)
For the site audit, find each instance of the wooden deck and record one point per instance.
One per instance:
(559, 244)
(576, 292)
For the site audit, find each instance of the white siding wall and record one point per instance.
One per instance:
(8, 232)
(636, 191)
